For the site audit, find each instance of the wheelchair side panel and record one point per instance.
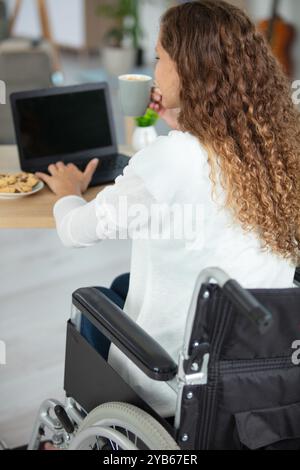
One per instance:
(91, 381)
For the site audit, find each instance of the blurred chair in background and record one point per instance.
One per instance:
(42, 11)
(24, 65)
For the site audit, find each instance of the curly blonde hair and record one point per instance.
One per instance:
(236, 99)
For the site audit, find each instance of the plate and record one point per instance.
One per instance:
(38, 187)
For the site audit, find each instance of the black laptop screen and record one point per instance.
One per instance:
(63, 124)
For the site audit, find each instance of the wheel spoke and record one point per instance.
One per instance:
(111, 443)
(97, 443)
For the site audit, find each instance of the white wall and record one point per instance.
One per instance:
(70, 14)
(66, 20)
(150, 13)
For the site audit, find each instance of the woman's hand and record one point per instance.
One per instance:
(168, 115)
(68, 180)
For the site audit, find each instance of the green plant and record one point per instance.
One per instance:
(126, 14)
(149, 119)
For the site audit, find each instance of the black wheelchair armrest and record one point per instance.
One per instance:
(122, 331)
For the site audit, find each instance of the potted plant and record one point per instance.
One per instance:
(122, 41)
(145, 131)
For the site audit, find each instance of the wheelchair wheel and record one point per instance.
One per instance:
(121, 426)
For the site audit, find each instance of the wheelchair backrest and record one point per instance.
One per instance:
(252, 397)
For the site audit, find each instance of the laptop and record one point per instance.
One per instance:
(71, 124)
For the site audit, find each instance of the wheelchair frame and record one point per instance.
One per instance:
(144, 351)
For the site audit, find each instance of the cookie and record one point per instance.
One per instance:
(7, 190)
(18, 183)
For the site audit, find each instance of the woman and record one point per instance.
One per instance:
(234, 152)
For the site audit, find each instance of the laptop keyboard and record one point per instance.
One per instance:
(107, 164)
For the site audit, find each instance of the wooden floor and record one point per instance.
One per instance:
(38, 276)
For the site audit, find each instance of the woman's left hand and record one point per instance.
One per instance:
(68, 180)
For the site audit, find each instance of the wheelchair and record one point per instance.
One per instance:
(237, 378)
